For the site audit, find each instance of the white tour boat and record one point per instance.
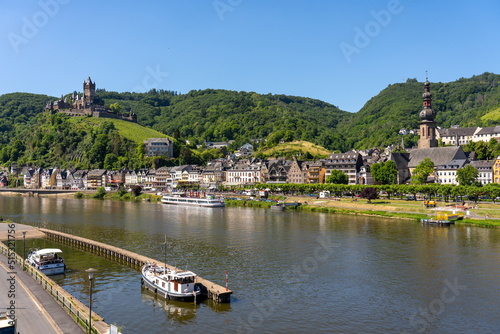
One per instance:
(207, 201)
(170, 284)
(47, 261)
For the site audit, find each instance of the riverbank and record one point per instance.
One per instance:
(396, 209)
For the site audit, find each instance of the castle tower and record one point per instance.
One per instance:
(88, 91)
(427, 123)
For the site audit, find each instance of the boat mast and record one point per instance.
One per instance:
(165, 246)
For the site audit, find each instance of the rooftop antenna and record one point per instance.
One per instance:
(426, 76)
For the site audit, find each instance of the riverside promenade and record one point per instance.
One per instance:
(35, 310)
(60, 308)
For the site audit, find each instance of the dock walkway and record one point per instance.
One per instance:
(209, 289)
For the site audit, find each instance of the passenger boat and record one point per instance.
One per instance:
(206, 201)
(170, 284)
(47, 261)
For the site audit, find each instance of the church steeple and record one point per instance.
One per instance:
(427, 116)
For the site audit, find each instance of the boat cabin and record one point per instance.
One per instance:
(48, 256)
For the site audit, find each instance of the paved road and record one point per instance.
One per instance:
(37, 312)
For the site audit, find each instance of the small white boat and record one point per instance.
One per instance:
(207, 201)
(170, 284)
(47, 260)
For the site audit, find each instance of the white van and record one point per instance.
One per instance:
(324, 194)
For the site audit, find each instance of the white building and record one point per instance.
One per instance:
(243, 174)
(447, 173)
(485, 170)
(158, 147)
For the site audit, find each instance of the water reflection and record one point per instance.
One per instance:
(180, 312)
(382, 271)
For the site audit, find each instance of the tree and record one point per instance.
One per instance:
(369, 193)
(177, 134)
(385, 172)
(337, 177)
(140, 150)
(467, 175)
(110, 160)
(136, 190)
(101, 192)
(422, 171)
(115, 107)
(185, 155)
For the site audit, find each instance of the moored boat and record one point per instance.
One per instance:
(437, 222)
(170, 284)
(279, 207)
(206, 201)
(47, 260)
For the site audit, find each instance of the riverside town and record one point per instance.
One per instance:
(235, 167)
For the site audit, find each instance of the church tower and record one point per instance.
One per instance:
(427, 123)
(88, 91)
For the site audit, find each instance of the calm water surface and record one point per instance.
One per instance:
(291, 272)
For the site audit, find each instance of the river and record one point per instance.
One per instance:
(290, 272)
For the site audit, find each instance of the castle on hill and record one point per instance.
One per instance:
(86, 105)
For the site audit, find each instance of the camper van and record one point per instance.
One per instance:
(324, 194)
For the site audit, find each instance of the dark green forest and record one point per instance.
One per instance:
(28, 135)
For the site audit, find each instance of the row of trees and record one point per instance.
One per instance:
(385, 173)
(445, 192)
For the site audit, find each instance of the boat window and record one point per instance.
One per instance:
(162, 284)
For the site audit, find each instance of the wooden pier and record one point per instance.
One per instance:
(209, 289)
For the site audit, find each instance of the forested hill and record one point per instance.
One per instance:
(220, 115)
(462, 102)
(29, 135)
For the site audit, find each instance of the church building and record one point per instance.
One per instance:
(427, 145)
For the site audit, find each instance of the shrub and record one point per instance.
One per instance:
(79, 195)
(136, 190)
(100, 193)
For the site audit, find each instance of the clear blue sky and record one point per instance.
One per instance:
(280, 47)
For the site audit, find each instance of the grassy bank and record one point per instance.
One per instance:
(479, 222)
(248, 203)
(329, 207)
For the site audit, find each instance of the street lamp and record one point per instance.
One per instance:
(91, 272)
(24, 248)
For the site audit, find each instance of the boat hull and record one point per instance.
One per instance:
(182, 297)
(186, 201)
(437, 222)
(52, 271)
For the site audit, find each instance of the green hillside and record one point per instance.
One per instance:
(462, 102)
(220, 115)
(30, 136)
(491, 117)
(131, 131)
(301, 149)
